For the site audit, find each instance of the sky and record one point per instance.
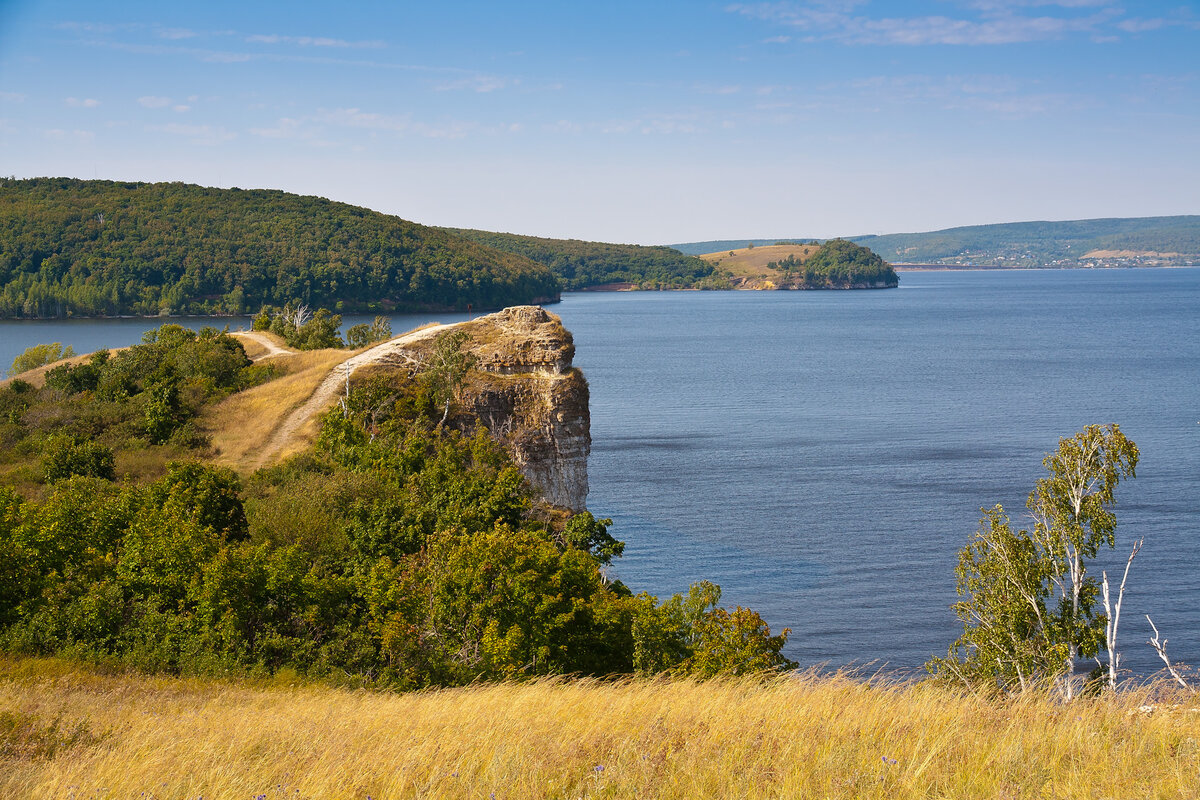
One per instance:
(644, 122)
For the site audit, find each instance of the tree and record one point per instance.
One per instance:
(1030, 610)
(447, 366)
(39, 355)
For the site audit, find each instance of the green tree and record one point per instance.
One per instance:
(39, 355)
(1030, 610)
(447, 366)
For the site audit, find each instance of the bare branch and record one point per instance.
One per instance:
(1161, 649)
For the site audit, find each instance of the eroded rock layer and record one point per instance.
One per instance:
(525, 390)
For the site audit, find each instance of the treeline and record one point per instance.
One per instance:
(580, 265)
(397, 552)
(95, 248)
(837, 264)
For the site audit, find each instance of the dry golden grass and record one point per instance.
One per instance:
(752, 262)
(241, 424)
(794, 737)
(253, 347)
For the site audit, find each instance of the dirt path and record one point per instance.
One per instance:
(323, 396)
(273, 349)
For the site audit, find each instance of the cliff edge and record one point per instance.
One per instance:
(526, 391)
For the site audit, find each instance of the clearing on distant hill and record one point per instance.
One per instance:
(100, 248)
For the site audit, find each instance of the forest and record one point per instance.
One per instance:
(103, 248)
(580, 265)
(398, 552)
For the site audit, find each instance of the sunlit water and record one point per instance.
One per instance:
(824, 455)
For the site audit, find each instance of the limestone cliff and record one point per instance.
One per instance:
(526, 392)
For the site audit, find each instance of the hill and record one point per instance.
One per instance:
(1116, 242)
(581, 265)
(836, 264)
(100, 248)
(1149, 241)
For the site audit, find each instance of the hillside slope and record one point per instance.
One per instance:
(580, 265)
(1121, 241)
(97, 248)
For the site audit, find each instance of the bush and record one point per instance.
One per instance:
(64, 457)
(40, 355)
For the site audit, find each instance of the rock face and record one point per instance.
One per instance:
(526, 392)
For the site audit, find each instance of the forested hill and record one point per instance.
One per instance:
(582, 264)
(1090, 242)
(95, 248)
(1122, 241)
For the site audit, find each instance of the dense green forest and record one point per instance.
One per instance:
(840, 264)
(581, 264)
(95, 248)
(397, 552)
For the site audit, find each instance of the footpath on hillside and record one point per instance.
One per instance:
(323, 396)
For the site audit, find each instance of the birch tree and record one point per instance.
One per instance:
(1029, 609)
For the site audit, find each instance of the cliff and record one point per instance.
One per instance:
(524, 390)
(527, 393)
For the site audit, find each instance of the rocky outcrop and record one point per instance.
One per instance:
(523, 388)
(527, 393)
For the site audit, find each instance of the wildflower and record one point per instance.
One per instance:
(599, 768)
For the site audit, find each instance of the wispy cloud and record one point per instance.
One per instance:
(12, 97)
(984, 22)
(196, 134)
(476, 83)
(77, 136)
(150, 101)
(311, 41)
(82, 102)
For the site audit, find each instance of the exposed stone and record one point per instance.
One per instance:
(530, 397)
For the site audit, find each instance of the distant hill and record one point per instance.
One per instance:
(1135, 241)
(717, 245)
(1094, 242)
(836, 264)
(97, 248)
(580, 265)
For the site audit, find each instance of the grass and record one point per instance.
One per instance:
(240, 425)
(794, 737)
(752, 262)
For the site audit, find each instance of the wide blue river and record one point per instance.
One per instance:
(824, 455)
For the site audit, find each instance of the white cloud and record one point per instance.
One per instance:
(86, 102)
(474, 83)
(311, 41)
(197, 134)
(181, 108)
(995, 23)
(12, 97)
(175, 33)
(151, 101)
(77, 136)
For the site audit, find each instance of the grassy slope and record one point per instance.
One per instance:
(791, 737)
(751, 263)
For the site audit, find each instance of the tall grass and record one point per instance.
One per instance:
(795, 737)
(240, 425)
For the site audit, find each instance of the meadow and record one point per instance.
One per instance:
(73, 731)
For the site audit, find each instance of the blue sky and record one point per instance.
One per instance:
(646, 122)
